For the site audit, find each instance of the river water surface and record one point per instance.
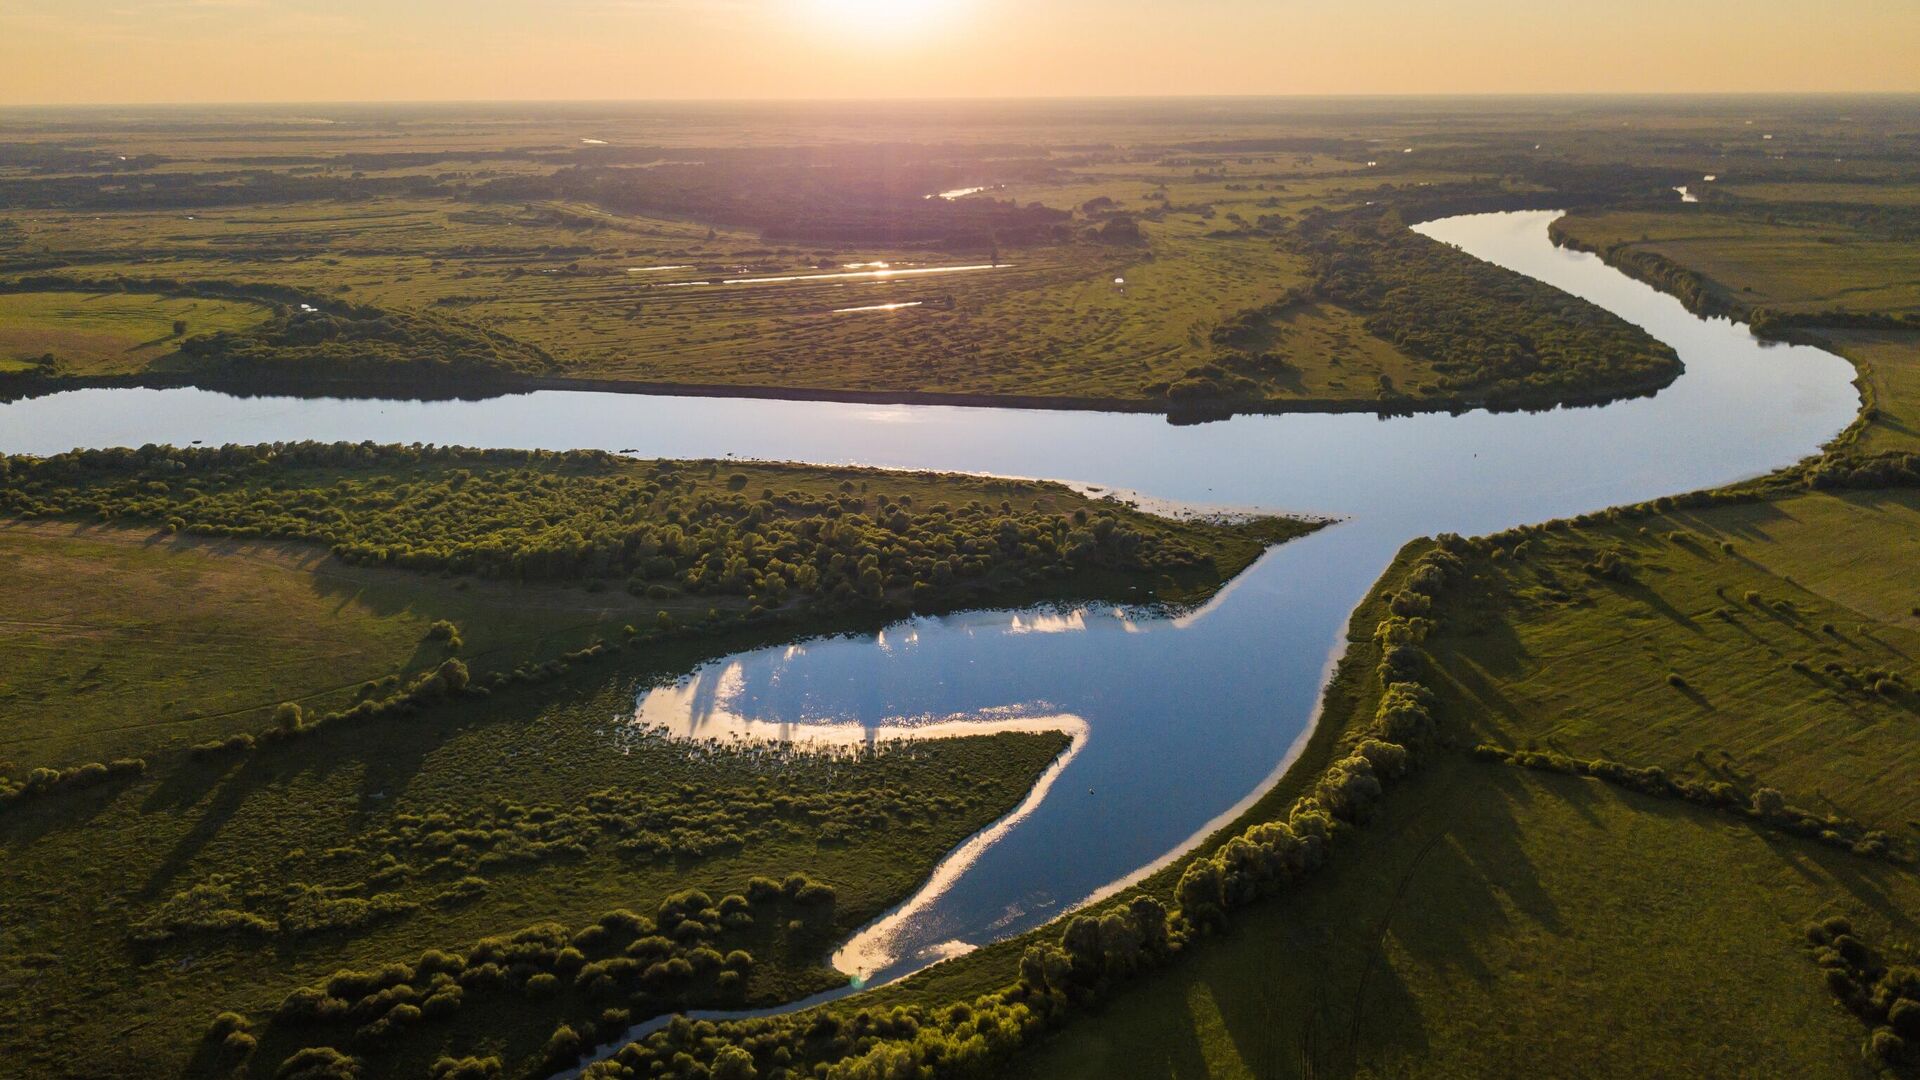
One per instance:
(1177, 721)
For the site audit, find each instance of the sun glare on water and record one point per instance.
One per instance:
(882, 18)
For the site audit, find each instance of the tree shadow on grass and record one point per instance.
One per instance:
(1648, 597)
(387, 759)
(33, 819)
(1457, 884)
(1864, 879)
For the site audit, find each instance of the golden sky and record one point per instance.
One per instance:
(111, 51)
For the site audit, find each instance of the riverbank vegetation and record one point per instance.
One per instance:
(768, 536)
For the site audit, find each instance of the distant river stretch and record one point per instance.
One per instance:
(1177, 721)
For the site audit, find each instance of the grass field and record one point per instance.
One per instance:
(659, 297)
(110, 333)
(1889, 364)
(121, 640)
(1579, 663)
(1050, 321)
(1786, 267)
(1495, 922)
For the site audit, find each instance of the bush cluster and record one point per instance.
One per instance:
(450, 679)
(684, 823)
(221, 905)
(1765, 805)
(963, 1039)
(1886, 997)
(598, 978)
(1857, 471)
(73, 778)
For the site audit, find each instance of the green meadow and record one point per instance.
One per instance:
(108, 333)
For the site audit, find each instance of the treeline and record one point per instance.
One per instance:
(1852, 469)
(594, 982)
(1888, 220)
(1703, 297)
(1491, 336)
(1097, 950)
(40, 782)
(1884, 995)
(1765, 805)
(1691, 287)
(203, 190)
(661, 526)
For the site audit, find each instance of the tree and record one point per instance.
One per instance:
(734, 1063)
(1201, 893)
(564, 1048)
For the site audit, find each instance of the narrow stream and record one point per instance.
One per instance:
(1178, 722)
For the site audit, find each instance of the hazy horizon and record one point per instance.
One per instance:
(224, 52)
(1568, 96)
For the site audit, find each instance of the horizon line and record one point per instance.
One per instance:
(1426, 95)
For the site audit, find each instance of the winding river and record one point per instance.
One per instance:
(1178, 721)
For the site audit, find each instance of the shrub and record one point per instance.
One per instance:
(733, 1063)
(227, 1023)
(1888, 1047)
(238, 1046)
(468, 1068)
(1904, 1018)
(563, 1049)
(319, 1063)
(815, 894)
